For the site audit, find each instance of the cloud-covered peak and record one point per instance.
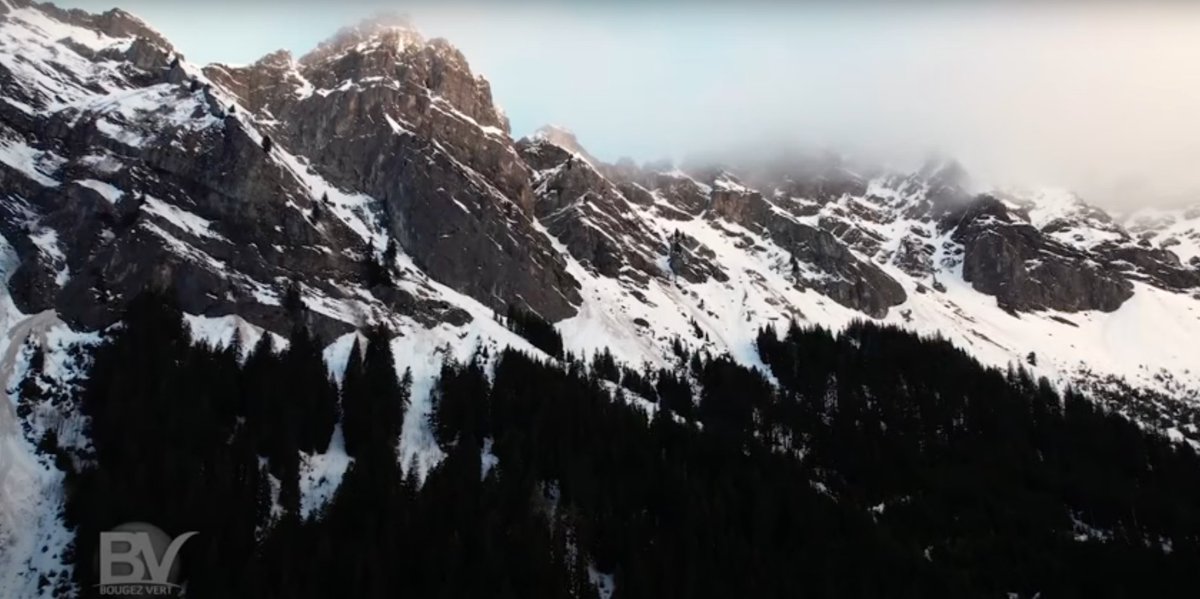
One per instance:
(380, 31)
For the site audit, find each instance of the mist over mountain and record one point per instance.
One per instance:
(1096, 97)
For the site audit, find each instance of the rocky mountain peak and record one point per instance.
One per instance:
(563, 138)
(114, 23)
(278, 59)
(387, 52)
(384, 31)
(947, 178)
(118, 23)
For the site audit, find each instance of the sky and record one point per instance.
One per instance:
(1100, 97)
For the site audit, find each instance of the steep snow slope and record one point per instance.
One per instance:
(1146, 341)
(31, 491)
(32, 537)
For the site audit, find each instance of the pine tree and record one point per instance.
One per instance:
(311, 393)
(30, 391)
(379, 269)
(538, 331)
(390, 253)
(604, 366)
(355, 414)
(375, 404)
(459, 404)
(293, 301)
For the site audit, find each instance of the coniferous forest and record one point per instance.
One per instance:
(872, 463)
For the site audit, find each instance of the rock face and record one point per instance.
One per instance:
(828, 265)
(174, 185)
(565, 139)
(1027, 271)
(683, 197)
(1064, 217)
(375, 179)
(379, 109)
(1175, 230)
(598, 225)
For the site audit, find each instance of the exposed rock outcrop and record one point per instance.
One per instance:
(833, 269)
(1025, 270)
(595, 221)
(377, 175)
(379, 109)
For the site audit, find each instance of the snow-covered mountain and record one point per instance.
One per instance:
(125, 166)
(1177, 230)
(376, 176)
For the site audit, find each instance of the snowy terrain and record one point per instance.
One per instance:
(1148, 342)
(1177, 230)
(32, 536)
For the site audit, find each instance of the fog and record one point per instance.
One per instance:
(1100, 97)
(1103, 99)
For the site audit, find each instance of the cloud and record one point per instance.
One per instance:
(1102, 97)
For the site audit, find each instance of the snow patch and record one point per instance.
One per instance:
(605, 583)
(46, 241)
(33, 537)
(39, 166)
(354, 209)
(182, 219)
(321, 475)
(397, 128)
(218, 332)
(337, 355)
(487, 459)
(107, 190)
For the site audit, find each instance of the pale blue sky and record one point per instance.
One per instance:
(607, 74)
(1089, 95)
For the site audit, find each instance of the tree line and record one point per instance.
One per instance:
(862, 464)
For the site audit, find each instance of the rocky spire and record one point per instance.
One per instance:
(565, 139)
(386, 31)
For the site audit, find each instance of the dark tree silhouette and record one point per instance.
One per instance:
(867, 463)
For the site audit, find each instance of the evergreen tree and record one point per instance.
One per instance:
(459, 405)
(535, 329)
(881, 464)
(375, 402)
(31, 391)
(604, 366)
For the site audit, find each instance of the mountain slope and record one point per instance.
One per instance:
(392, 188)
(391, 176)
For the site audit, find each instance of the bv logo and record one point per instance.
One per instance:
(139, 559)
